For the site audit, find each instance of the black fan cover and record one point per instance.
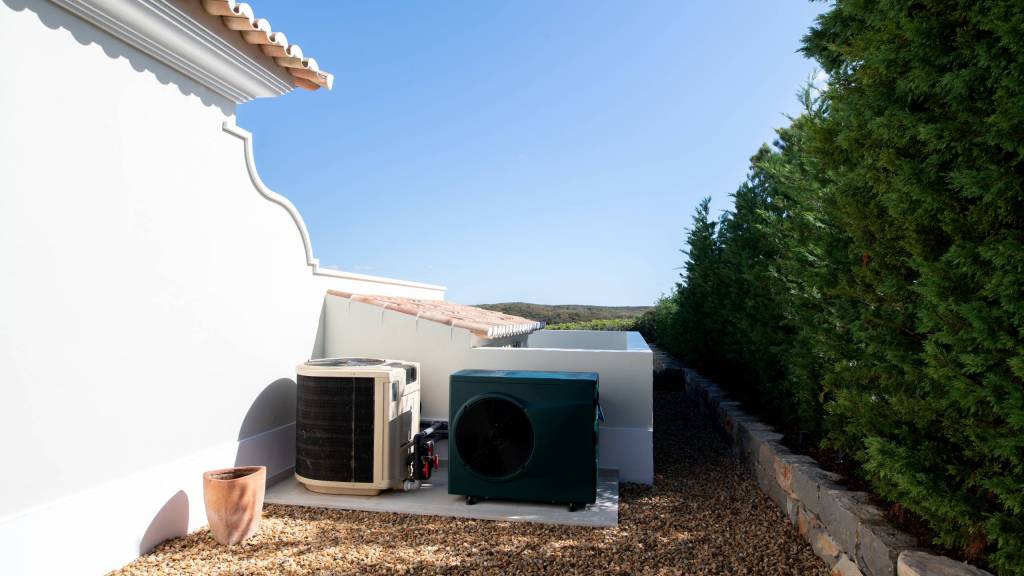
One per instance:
(494, 437)
(334, 362)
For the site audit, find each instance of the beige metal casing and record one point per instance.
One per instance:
(396, 420)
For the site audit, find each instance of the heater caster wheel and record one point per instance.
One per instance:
(410, 485)
(574, 506)
(470, 500)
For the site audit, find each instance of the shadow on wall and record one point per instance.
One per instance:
(267, 434)
(57, 18)
(170, 522)
(319, 343)
(274, 408)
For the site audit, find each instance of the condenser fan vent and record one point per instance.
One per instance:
(494, 437)
(342, 362)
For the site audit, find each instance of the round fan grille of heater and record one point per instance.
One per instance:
(494, 437)
(346, 362)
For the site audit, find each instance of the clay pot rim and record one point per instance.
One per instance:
(245, 472)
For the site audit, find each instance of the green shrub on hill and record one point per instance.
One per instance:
(645, 324)
(614, 324)
(566, 313)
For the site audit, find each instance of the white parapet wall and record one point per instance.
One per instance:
(622, 360)
(580, 339)
(156, 297)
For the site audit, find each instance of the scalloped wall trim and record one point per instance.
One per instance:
(175, 37)
(250, 163)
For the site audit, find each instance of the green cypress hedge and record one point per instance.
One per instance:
(868, 286)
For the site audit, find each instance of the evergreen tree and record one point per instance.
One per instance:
(753, 325)
(812, 257)
(924, 145)
(698, 325)
(868, 285)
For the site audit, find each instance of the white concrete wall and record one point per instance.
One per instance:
(626, 395)
(359, 329)
(153, 304)
(627, 435)
(578, 339)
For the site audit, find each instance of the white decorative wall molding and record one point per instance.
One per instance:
(177, 36)
(250, 162)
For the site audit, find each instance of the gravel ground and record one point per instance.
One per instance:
(705, 515)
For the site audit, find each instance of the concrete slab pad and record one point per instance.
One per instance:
(433, 499)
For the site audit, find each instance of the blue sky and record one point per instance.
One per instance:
(548, 152)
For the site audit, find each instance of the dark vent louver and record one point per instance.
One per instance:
(334, 428)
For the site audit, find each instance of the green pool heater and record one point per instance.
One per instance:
(524, 435)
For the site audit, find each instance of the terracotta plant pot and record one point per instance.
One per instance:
(234, 502)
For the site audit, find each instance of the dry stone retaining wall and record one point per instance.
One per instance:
(843, 528)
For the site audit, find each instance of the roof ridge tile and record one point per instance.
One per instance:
(241, 17)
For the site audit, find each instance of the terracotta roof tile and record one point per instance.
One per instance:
(239, 16)
(486, 323)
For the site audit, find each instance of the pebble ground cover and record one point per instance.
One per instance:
(704, 515)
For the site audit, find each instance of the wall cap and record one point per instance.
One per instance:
(920, 563)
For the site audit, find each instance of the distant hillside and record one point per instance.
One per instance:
(566, 313)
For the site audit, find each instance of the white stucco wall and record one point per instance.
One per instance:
(360, 329)
(153, 304)
(578, 339)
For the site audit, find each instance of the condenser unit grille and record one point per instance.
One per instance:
(334, 427)
(494, 436)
